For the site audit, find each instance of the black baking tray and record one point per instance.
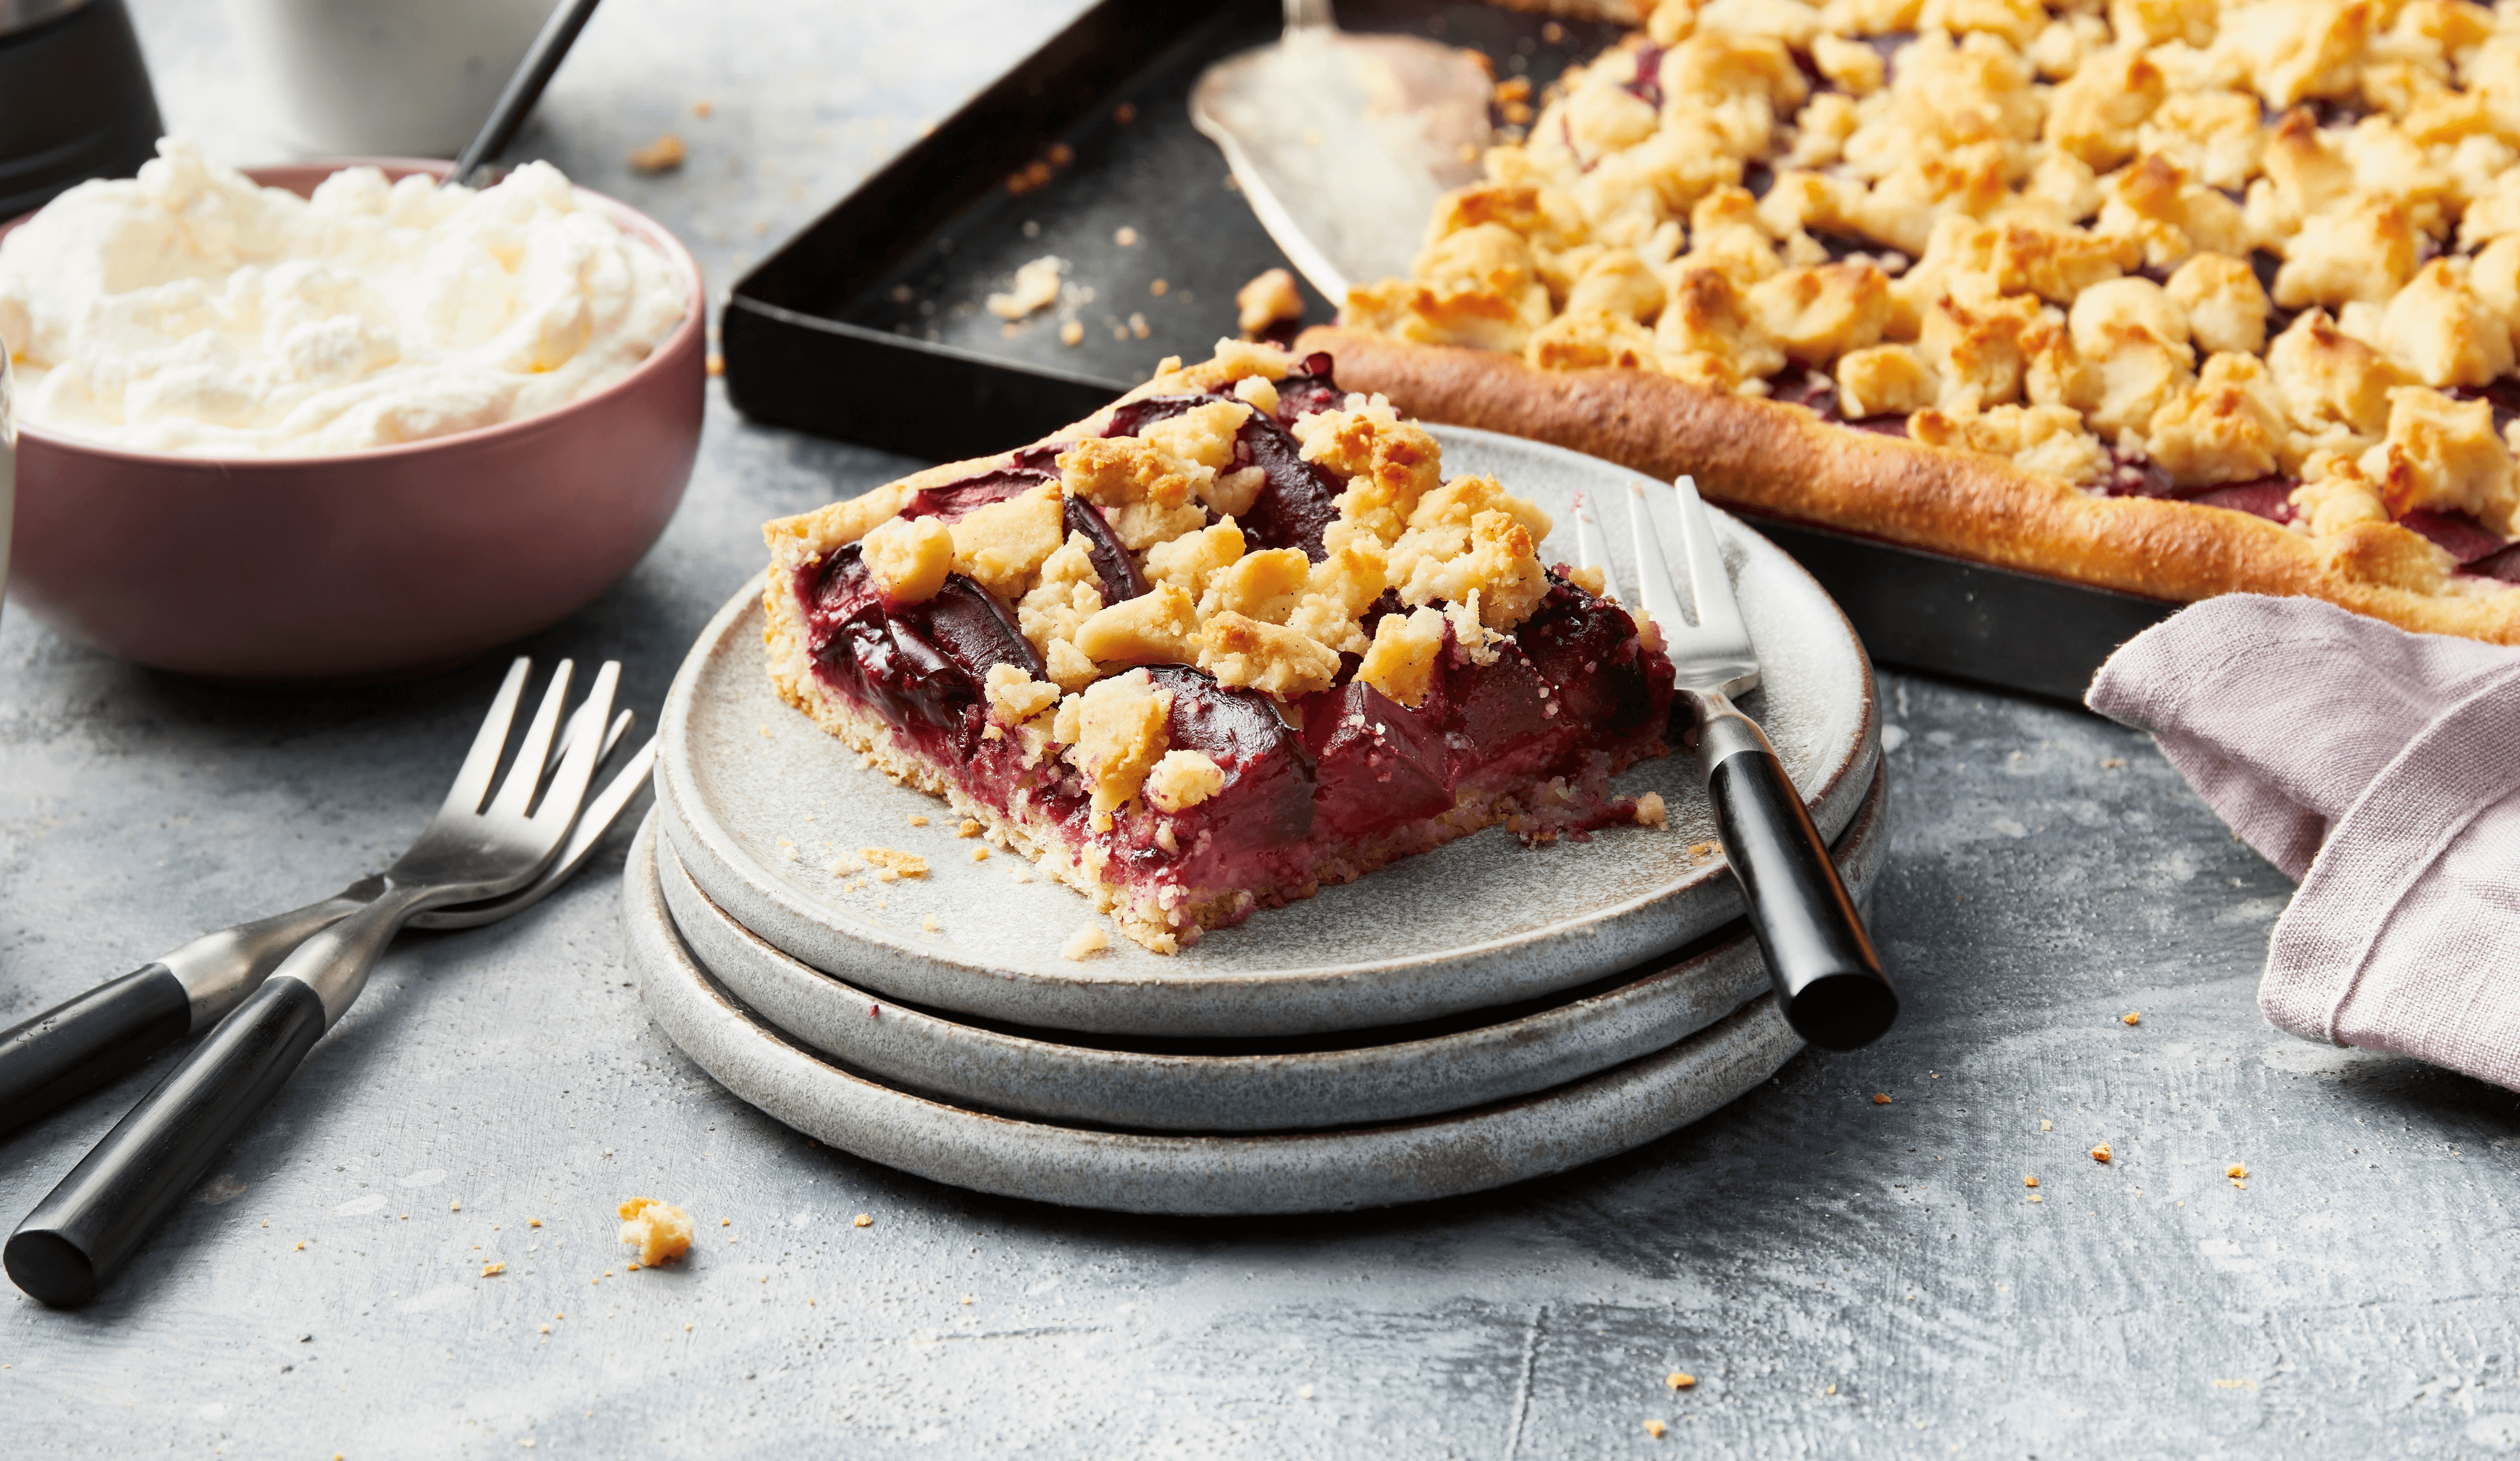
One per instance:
(870, 324)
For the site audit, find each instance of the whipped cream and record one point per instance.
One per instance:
(190, 311)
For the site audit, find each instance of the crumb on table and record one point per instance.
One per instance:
(663, 155)
(1880, 1098)
(662, 1232)
(1681, 1380)
(493, 1271)
(862, 1220)
(1085, 943)
(1656, 1428)
(2102, 1154)
(2131, 1017)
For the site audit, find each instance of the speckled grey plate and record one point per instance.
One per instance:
(1245, 1086)
(1310, 1171)
(756, 801)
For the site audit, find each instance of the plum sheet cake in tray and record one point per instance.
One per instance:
(1230, 639)
(2176, 298)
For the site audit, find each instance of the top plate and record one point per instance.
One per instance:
(757, 801)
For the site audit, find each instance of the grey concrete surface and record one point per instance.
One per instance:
(1843, 1277)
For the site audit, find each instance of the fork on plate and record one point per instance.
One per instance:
(81, 1235)
(1828, 980)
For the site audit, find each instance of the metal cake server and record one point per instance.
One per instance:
(1828, 978)
(1343, 143)
(113, 1029)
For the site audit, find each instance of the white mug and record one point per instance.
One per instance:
(411, 78)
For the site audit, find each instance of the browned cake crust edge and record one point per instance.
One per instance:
(1786, 461)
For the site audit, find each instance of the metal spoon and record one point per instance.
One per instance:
(525, 88)
(1343, 143)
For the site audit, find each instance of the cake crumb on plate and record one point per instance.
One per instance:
(1650, 811)
(1086, 941)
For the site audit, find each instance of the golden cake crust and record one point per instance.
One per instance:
(1786, 461)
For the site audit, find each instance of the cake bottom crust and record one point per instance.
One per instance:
(1163, 920)
(1785, 460)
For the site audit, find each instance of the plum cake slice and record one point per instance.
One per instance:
(1230, 639)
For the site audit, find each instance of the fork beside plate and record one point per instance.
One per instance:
(269, 990)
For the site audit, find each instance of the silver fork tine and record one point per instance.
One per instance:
(1590, 550)
(1719, 613)
(577, 769)
(472, 780)
(526, 774)
(1654, 588)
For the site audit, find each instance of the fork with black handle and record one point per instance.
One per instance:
(1828, 980)
(80, 1235)
(113, 1029)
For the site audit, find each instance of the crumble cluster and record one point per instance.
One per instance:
(1462, 555)
(2239, 241)
(662, 1232)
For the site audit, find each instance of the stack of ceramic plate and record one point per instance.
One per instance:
(1481, 1014)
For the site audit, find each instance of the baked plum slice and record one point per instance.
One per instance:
(924, 667)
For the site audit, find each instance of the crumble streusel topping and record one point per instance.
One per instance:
(2151, 247)
(1462, 554)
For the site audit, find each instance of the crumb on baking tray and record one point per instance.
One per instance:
(663, 155)
(1269, 297)
(1126, 237)
(1086, 941)
(662, 1232)
(1650, 811)
(1035, 288)
(1072, 332)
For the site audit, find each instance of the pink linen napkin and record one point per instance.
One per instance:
(2381, 770)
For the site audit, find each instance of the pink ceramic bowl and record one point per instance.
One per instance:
(366, 563)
